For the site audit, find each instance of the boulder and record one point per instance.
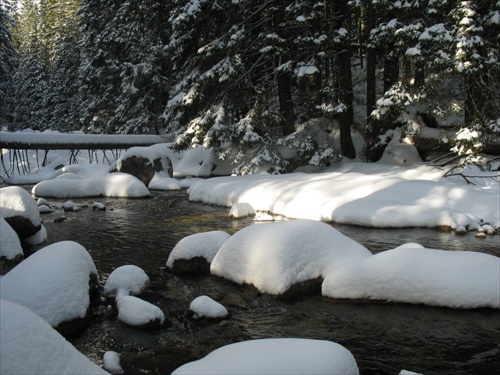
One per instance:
(11, 251)
(20, 210)
(143, 163)
(58, 283)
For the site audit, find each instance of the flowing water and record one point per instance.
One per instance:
(383, 337)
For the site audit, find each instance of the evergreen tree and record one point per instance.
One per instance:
(7, 63)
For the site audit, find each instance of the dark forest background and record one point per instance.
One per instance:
(247, 77)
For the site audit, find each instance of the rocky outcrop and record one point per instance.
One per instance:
(143, 163)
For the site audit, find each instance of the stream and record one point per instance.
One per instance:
(383, 337)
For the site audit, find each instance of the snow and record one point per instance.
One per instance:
(372, 195)
(15, 201)
(242, 209)
(275, 356)
(111, 362)
(53, 282)
(38, 238)
(120, 185)
(161, 181)
(206, 307)
(31, 346)
(10, 245)
(137, 312)
(275, 256)
(413, 274)
(204, 245)
(125, 280)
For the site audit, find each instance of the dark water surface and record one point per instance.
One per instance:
(383, 337)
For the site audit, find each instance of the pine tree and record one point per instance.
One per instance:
(7, 63)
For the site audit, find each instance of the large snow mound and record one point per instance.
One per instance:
(29, 345)
(275, 256)
(53, 282)
(120, 185)
(275, 356)
(411, 273)
(361, 194)
(204, 245)
(15, 201)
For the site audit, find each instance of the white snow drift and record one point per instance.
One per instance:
(53, 282)
(411, 273)
(29, 345)
(275, 356)
(204, 245)
(275, 256)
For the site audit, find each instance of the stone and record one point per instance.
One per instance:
(143, 163)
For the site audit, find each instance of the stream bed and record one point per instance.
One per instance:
(383, 337)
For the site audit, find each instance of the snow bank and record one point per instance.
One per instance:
(275, 356)
(206, 307)
(241, 209)
(120, 185)
(410, 273)
(28, 345)
(372, 195)
(10, 245)
(204, 245)
(125, 280)
(162, 181)
(53, 282)
(52, 170)
(15, 201)
(137, 312)
(275, 256)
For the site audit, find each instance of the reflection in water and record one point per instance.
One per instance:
(384, 337)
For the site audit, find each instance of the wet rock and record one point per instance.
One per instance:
(300, 289)
(196, 266)
(143, 163)
(7, 264)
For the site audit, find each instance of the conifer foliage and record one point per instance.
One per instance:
(252, 78)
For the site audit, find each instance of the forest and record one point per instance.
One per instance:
(249, 77)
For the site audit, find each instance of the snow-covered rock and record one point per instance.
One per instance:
(275, 356)
(125, 280)
(194, 253)
(120, 185)
(276, 256)
(70, 206)
(137, 312)
(29, 345)
(242, 209)
(38, 238)
(98, 206)
(144, 162)
(111, 362)
(457, 279)
(55, 282)
(44, 209)
(11, 251)
(19, 209)
(206, 307)
(162, 181)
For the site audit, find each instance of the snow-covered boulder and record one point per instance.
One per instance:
(139, 313)
(162, 181)
(11, 252)
(241, 210)
(57, 283)
(206, 307)
(193, 254)
(19, 209)
(120, 185)
(29, 345)
(144, 162)
(275, 356)
(125, 280)
(38, 238)
(411, 273)
(283, 257)
(111, 362)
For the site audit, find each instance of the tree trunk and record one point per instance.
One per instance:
(286, 103)
(346, 90)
